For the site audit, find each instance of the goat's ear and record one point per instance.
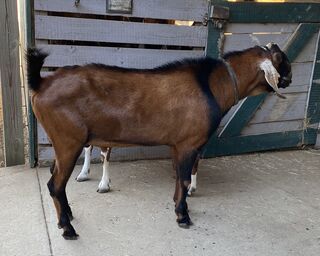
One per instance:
(276, 58)
(271, 75)
(275, 53)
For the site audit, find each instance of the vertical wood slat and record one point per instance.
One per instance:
(10, 83)
(32, 121)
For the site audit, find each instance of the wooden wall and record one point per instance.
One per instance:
(144, 39)
(78, 35)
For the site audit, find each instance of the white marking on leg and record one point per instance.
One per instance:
(193, 185)
(84, 174)
(104, 185)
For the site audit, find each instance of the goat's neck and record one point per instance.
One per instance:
(247, 75)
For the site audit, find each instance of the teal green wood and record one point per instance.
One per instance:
(313, 110)
(262, 142)
(33, 149)
(300, 38)
(243, 116)
(245, 12)
(213, 40)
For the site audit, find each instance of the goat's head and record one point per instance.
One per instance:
(276, 68)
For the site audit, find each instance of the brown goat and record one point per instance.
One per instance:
(179, 104)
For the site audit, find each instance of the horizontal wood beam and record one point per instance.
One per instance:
(244, 12)
(262, 142)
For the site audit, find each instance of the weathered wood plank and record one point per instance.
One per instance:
(305, 54)
(46, 154)
(79, 29)
(277, 109)
(165, 9)
(61, 55)
(244, 41)
(245, 12)
(11, 84)
(42, 136)
(263, 128)
(249, 28)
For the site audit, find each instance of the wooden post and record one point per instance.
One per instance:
(10, 84)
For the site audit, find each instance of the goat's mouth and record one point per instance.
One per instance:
(285, 81)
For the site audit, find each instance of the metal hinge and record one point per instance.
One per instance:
(219, 15)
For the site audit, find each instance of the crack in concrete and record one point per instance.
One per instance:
(44, 214)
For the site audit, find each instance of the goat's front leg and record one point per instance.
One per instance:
(183, 163)
(104, 185)
(84, 174)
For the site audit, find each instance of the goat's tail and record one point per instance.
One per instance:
(35, 59)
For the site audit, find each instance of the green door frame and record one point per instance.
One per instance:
(32, 122)
(307, 14)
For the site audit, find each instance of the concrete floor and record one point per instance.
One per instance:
(258, 204)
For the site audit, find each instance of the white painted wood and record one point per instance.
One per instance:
(62, 55)
(277, 109)
(46, 154)
(156, 9)
(42, 136)
(301, 73)
(78, 29)
(243, 41)
(238, 41)
(248, 28)
(263, 128)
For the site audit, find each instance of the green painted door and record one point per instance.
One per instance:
(295, 27)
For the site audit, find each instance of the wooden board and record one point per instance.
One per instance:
(164, 9)
(264, 128)
(79, 29)
(243, 41)
(46, 154)
(249, 28)
(11, 84)
(62, 55)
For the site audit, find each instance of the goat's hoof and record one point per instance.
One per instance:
(103, 190)
(70, 216)
(184, 222)
(82, 178)
(69, 233)
(191, 190)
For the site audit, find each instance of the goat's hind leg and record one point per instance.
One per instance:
(84, 174)
(193, 185)
(104, 185)
(65, 162)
